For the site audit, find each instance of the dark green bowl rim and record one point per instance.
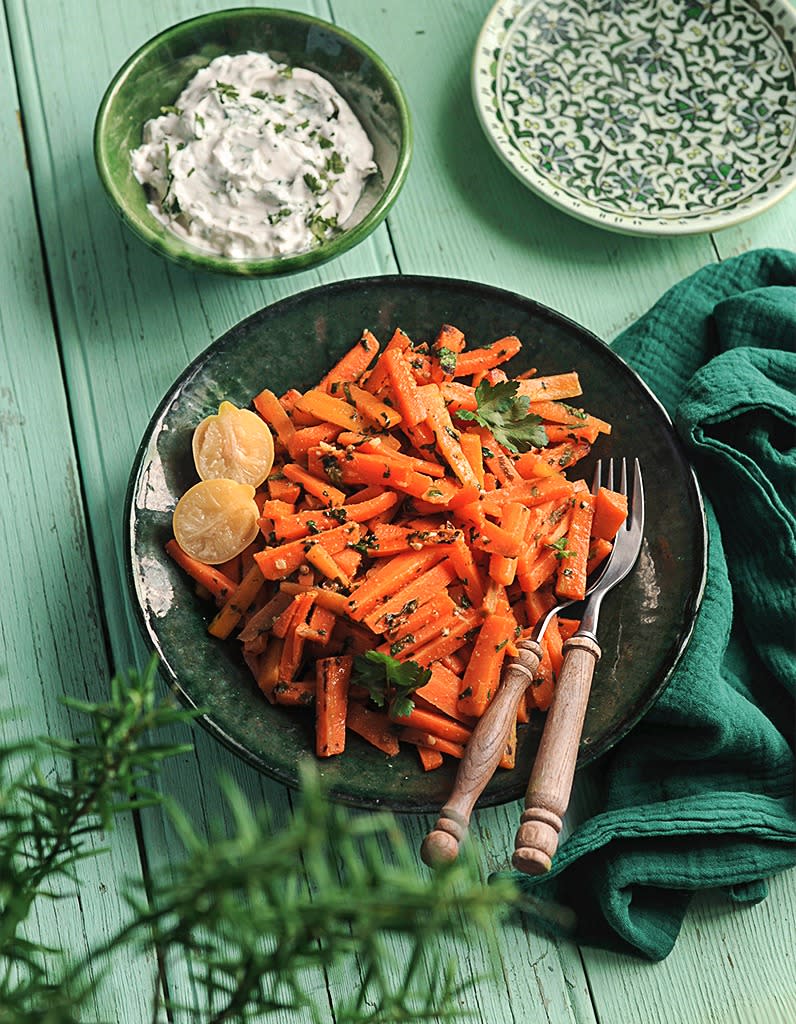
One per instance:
(181, 252)
(206, 720)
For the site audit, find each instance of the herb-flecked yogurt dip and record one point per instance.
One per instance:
(255, 159)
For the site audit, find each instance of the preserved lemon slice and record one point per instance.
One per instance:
(215, 520)
(235, 444)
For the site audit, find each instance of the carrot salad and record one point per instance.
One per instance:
(379, 543)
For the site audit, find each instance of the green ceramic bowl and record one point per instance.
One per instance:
(645, 623)
(156, 74)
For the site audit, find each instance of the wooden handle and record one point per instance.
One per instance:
(550, 785)
(481, 757)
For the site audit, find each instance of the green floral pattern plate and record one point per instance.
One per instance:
(645, 624)
(667, 118)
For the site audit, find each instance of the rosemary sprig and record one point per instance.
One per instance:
(254, 914)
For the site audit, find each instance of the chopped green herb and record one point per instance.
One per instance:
(325, 143)
(313, 184)
(389, 682)
(447, 360)
(577, 413)
(274, 218)
(505, 413)
(279, 128)
(226, 92)
(334, 163)
(171, 110)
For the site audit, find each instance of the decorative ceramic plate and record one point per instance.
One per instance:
(665, 118)
(645, 624)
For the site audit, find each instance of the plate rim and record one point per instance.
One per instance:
(699, 224)
(205, 720)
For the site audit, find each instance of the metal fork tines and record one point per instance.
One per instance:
(550, 785)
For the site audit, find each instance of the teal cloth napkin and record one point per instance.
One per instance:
(701, 793)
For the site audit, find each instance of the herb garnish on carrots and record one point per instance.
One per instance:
(505, 413)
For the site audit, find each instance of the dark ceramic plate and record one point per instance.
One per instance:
(645, 624)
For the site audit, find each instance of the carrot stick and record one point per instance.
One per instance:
(308, 437)
(325, 563)
(541, 570)
(425, 739)
(335, 602)
(332, 676)
(415, 594)
(482, 676)
(314, 485)
(276, 563)
(330, 410)
(571, 577)
(429, 759)
(558, 412)
(514, 520)
(293, 649)
(455, 638)
(476, 359)
(262, 621)
(404, 387)
(283, 490)
(610, 512)
(237, 603)
(435, 724)
(473, 452)
(320, 626)
(442, 692)
(353, 364)
(560, 385)
(377, 378)
(552, 639)
(373, 726)
(389, 578)
(599, 550)
(219, 585)
(540, 692)
(461, 558)
(271, 410)
(294, 694)
(268, 675)
(377, 412)
(446, 436)
(375, 446)
(441, 615)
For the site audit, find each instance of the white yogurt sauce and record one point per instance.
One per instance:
(255, 159)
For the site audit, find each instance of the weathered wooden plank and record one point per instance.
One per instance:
(52, 639)
(729, 964)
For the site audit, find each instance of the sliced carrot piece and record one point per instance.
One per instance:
(332, 676)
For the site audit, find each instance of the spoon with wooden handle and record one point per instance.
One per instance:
(550, 784)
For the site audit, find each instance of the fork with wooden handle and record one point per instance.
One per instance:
(550, 785)
(488, 743)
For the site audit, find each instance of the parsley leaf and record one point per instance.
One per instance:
(560, 548)
(505, 413)
(313, 184)
(389, 681)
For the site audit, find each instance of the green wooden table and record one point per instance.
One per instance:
(94, 328)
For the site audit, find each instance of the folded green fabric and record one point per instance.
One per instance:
(701, 793)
